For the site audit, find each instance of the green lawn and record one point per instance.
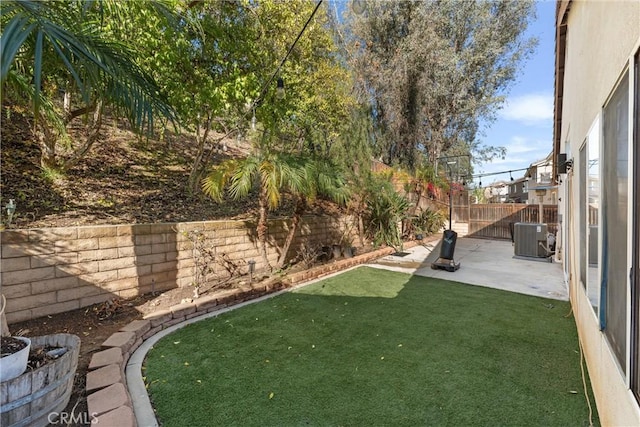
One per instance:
(374, 347)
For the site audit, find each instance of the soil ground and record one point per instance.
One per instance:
(123, 179)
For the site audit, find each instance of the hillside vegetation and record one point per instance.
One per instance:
(123, 179)
(315, 96)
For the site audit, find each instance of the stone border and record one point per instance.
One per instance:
(108, 399)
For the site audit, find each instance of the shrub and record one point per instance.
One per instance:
(386, 210)
(428, 221)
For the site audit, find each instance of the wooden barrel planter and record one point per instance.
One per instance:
(32, 398)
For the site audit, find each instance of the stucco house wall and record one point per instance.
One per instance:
(602, 38)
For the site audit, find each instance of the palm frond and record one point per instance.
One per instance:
(13, 37)
(216, 181)
(292, 173)
(243, 177)
(271, 182)
(106, 65)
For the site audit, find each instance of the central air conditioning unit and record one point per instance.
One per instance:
(530, 240)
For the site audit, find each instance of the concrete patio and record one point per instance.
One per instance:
(489, 263)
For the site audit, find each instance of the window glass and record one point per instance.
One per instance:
(582, 233)
(635, 290)
(593, 199)
(615, 145)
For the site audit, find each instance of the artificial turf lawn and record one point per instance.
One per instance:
(374, 347)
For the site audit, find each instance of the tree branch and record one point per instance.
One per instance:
(79, 112)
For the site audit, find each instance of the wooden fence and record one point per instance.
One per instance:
(494, 220)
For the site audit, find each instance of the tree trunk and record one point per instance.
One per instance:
(361, 229)
(47, 139)
(201, 139)
(93, 131)
(262, 228)
(418, 192)
(295, 221)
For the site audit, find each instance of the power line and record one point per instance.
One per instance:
(266, 85)
(480, 175)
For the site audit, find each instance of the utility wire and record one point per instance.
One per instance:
(266, 85)
(480, 175)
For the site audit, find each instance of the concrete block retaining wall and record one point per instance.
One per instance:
(53, 270)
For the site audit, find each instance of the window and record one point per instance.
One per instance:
(635, 288)
(582, 222)
(615, 145)
(568, 217)
(592, 199)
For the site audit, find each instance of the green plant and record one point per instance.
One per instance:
(67, 46)
(276, 173)
(428, 221)
(52, 175)
(385, 213)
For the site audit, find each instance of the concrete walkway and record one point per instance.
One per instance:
(489, 263)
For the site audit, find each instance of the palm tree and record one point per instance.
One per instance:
(274, 173)
(50, 45)
(320, 177)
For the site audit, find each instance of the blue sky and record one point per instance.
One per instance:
(525, 125)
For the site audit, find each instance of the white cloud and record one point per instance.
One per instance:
(520, 146)
(521, 152)
(530, 109)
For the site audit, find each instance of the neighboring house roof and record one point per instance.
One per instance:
(547, 161)
(519, 180)
(497, 184)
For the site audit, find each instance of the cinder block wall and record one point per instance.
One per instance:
(53, 270)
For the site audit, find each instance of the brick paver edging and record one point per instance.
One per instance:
(108, 399)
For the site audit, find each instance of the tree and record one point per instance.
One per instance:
(320, 177)
(273, 173)
(352, 154)
(208, 66)
(63, 46)
(434, 70)
(217, 65)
